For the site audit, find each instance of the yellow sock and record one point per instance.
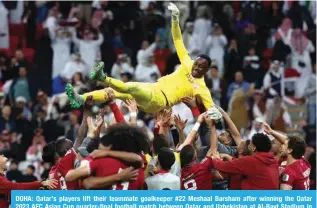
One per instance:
(99, 96)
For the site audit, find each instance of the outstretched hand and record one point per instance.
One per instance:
(131, 105)
(180, 124)
(190, 101)
(94, 127)
(164, 117)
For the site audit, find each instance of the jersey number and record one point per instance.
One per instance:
(307, 184)
(62, 183)
(124, 184)
(190, 185)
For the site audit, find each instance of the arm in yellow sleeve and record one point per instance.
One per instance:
(206, 97)
(179, 44)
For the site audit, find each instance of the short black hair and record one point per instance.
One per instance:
(187, 155)
(206, 57)
(297, 145)
(49, 153)
(166, 158)
(246, 151)
(32, 167)
(159, 142)
(122, 137)
(92, 145)
(214, 66)
(261, 142)
(62, 146)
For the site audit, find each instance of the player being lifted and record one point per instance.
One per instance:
(187, 80)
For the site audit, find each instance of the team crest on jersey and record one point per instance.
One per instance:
(195, 86)
(285, 177)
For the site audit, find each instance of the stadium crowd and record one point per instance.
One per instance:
(262, 78)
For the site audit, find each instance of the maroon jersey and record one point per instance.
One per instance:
(53, 175)
(296, 175)
(282, 163)
(66, 164)
(197, 176)
(109, 166)
(7, 186)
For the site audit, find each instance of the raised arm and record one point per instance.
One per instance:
(280, 137)
(232, 128)
(83, 129)
(177, 35)
(193, 133)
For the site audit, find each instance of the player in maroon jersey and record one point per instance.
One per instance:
(6, 186)
(297, 171)
(198, 176)
(122, 143)
(62, 154)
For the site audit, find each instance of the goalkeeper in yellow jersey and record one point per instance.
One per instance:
(187, 80)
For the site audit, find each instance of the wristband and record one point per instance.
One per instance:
(195, 111)
(133, 114)
(196, 126)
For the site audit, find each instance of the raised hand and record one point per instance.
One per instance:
(164, 117)
(131, 105)
(190, 102)
(94, 127)
(180, 124)
(267, 128)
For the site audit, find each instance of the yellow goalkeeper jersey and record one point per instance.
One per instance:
(181, 83)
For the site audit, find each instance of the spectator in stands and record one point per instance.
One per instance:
(21, 110)
(310, 94)
(217, 87)
(5, 141)
(238, 109)
(275, 15)
(4, 27)
(89, 47)
(301, 60)
(215, 47)
(29, 174)
(13, 173)
(238, 83)
(22, 86)
(34, 152)
(4, 68)
(273, 81)
(122, 65)
(6, 122)
(126, 77)
(163, 178)
(76, 64)
(72, 127)
(38, 120)
(191, 40)
(117, 42)
(251, 67)
(61, 40)
(146, 51)
(147, 72)
(202, 24)
(232, 61)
